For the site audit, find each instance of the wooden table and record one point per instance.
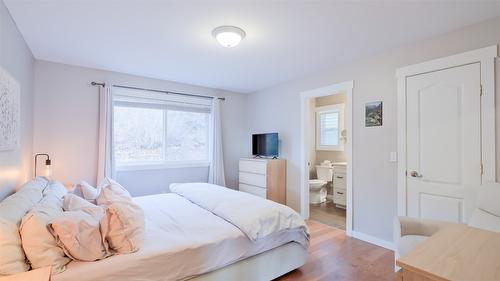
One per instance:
(456, 253)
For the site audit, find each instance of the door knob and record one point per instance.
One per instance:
(415, 174)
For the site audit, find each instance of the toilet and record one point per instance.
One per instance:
(317, 187)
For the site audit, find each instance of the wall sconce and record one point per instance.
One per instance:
(48, 162)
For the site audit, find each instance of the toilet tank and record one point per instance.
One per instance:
(324, 172)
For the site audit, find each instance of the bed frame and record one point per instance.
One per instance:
(262, 267)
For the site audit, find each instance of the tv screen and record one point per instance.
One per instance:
(265, 144)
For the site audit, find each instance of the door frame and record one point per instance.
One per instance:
(486, 58)
(305, 112)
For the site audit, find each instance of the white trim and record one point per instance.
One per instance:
(486, 58)
(162, 166)
(305, 97)
(373, 240)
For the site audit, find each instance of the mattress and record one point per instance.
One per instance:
(182, 240)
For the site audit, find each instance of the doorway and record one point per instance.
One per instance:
(326, 144)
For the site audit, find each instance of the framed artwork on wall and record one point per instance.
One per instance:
(373, 114)
(10, 107)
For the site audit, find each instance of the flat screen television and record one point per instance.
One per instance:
(265, 145)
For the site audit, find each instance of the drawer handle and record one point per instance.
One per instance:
(339, 177)
(340, 193)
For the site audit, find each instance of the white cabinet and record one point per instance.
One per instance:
(339, 185)
(265, 178)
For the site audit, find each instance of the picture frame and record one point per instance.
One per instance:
(374, 114)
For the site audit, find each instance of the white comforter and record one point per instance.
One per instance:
(182, 240)
(255, 217)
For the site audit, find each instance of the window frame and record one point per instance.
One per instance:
(339, 108)
(162, 164)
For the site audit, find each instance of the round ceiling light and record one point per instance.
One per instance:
(228, 36)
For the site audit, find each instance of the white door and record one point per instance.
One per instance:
(444, 143)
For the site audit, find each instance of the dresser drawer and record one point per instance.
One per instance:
(339, 196)
(256, 167)
(255, 190)
(253, 179)
(339, 169)
(339, 181)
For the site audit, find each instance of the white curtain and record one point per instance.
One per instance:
(106, 162)
(216, 173)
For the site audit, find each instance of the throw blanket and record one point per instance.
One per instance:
(254, 216)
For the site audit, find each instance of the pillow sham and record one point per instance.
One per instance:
(123, 227)
(38, 243)
(12, 210)
(78, 233)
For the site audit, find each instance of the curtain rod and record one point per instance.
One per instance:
(157, 91)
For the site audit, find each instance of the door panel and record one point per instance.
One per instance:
(444, 143)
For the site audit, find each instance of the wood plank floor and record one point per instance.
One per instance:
(334, 256)
(327, 213)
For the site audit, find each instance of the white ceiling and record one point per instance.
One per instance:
(172, 40)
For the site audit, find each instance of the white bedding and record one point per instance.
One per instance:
(182, 240)
(255, 217)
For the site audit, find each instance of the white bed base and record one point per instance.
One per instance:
(262, 267)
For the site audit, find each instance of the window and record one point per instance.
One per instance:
(154, 129)
(329, 127)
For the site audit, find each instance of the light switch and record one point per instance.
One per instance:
(393, 156)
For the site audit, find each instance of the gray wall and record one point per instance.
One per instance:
(374, 177)
(66, 126)
(16, 59)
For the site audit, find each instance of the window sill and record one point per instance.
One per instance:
(163, 166)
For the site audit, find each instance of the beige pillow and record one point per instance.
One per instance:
(78, 233)
(123, 227)
(38, 243)
(12, 210)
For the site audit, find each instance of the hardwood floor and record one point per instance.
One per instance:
(334, 256)
(327, 213)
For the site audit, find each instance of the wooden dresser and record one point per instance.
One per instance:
(265, 178)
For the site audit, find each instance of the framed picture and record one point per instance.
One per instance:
(9, 111)
(373, 114)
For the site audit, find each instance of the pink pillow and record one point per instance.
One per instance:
(78, 231)
(124, 226)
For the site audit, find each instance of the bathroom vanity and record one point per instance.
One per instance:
(339, 184)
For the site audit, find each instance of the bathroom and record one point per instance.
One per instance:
(327, 160)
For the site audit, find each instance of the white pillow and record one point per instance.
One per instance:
(55, 188)
(38, 243)
(12, 210)
(111, 191)
(86, 191)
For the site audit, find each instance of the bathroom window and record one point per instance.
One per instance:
(330, 127)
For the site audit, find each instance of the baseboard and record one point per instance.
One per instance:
(373, 240)
(329, 196)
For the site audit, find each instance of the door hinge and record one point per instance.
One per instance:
(481, 90)
(482, 169)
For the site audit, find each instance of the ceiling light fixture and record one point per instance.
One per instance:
(228, 36)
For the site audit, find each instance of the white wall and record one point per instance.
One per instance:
(374, 177)
(16, 59)
(66, 126)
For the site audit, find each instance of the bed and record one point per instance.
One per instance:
(189, 240)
